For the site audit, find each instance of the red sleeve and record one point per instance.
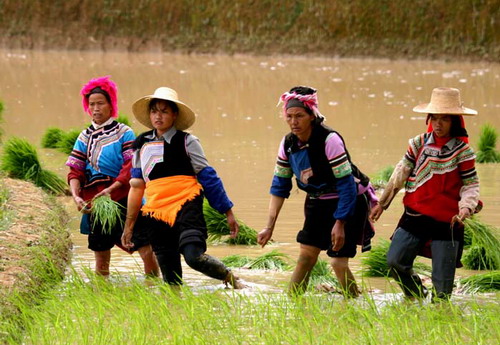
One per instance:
(76, 174)
(124, 175)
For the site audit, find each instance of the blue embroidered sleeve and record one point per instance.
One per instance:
(281, 186)
(214, 189)
(346, 188)
(136, 173)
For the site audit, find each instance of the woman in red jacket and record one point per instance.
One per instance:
(442, 189)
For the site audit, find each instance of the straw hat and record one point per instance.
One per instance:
(444, 100)
(140, 108)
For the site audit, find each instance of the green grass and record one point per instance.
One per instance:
(4, 212)
(375, 261)
(487, 152)
(483, 252)
(380, 179)
(129, 312)
(68, 139)
(20, 160)
(484, 282)
(218, 229)
(52, 137)
(122, 118)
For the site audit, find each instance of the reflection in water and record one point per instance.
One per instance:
(368, 101)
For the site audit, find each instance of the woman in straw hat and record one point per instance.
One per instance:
(100, 165)
(171, 171)
(442, 189)
(338, 195)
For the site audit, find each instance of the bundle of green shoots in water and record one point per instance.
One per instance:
(484, 252)
(106, 212)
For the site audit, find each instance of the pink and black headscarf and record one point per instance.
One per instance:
(102, 85)
(303, 97)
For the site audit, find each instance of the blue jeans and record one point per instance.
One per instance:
(402, 253)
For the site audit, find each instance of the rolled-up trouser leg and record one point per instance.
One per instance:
(400, 257)
(194, 254)
(170, 266)
(444, 259)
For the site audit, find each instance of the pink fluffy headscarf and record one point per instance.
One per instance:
(106, 85)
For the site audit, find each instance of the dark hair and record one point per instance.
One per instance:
(303, 90)
(172, 105)
(101, 91)
(456, 129)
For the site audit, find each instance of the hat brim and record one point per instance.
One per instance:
(428, 108)
(185, 118)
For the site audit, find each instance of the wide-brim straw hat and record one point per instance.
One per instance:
(140, 108)
(445, 100)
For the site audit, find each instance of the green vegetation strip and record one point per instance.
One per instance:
(122, 312)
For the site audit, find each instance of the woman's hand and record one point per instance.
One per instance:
(81, 205)
(264, 236)
(234, 228)
(376, 212)
(338, 235)
(104, 192)
(127, 238)
(462, 214)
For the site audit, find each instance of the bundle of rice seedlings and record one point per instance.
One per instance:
(68, 140)
(20, 160)
(481, 282)
(122, 118)
(484, 251)
(380, 179)
(273, 260)
(236, 260)
(487, 152)
(107, 212)
(218, 228)
(52, 137)
(375, 262)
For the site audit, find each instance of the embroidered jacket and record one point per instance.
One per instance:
(178, 153)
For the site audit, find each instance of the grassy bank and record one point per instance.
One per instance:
(35, 248)
(383, 28)
(98, 312)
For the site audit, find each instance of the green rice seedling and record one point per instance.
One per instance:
(106, 212)
(20, 160)
(68, 140)
(375, 262)
(122, 118)
(274, 260)
(382, 177)
(236, 260)
(481, 282)
(487, 152)
(52, 137)
(484, 251)
(218, 228)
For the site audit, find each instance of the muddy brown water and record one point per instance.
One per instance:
(368, 101)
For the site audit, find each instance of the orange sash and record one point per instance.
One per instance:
(165, 196)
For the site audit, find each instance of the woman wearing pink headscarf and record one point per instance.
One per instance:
(338, 195)
(100, 165)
